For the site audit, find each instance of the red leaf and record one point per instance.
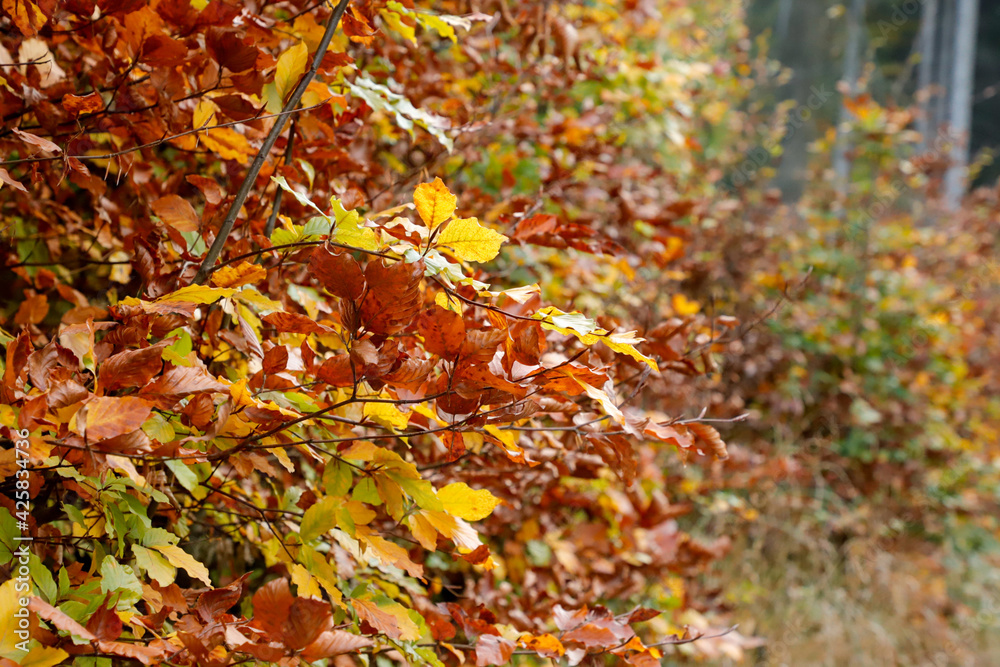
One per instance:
(183, 380)
(306, 620)
(339, 273)
(105, 623)
(275, 359)
(393, 296)
(214, 603)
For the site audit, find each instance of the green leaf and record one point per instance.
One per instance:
(43, 579)
(155, 565)
(319, 518)
(121, 582)
(337, 478)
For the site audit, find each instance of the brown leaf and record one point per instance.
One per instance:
(443, 331)
(147, 655)
(410, 371)
(11, 181)
(105, 622)
(382, 621)
(176, 212)
(131, 368)
(643, 614)
(294, 323)
(271, 605)
(307, 618)
(181, 381)
(214, 603)
(393, 296)
(711, 438)
(209, 188)
(32, 310)
(275, 359)
(111, 416)
(336, 371)
(334, 642)
(493, 650)
(58, 618)
(617, 453)
(339, 273)
(477, 556)
(81, 104)
(229, 50)
(35, 140)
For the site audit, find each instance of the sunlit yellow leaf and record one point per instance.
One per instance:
(466, 503)
(469, 240)
(197, 294)
(44, 656)
(291, 66)
(434, 202)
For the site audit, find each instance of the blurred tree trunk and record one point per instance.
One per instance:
(852, 72)
(960, 96)
(926, 123)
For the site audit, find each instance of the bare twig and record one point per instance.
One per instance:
(227, 225)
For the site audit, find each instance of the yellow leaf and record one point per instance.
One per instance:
(8, 623)
(434, 202)
(306, 586)
(240, 394)
(454, 305)
(424, 532)
(197, 294)
(244, 273)
(387, 414)
(44, 656)
(466, 503)
(26, 16)
(470, 241)
(179, 558)
(227, 142)
(291, 66)
(683, 306)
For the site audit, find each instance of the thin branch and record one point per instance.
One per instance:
(289, 147)
(251, 176)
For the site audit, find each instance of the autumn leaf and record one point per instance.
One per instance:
(470, 241)
(434, 203)
(82, 104)
(389, 619)
(493, 650)
(291, 66)
(244, 273)
(180, 559)
(465, 503)
(176, 212)
(108, 417)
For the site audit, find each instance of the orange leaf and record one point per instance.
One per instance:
(108, 417)
(708, 435)
(81, 104)
(176, 212)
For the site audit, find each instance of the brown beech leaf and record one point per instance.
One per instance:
(183, 380)
(493, 650)
(58, 618)
(105, 622)
(275, 359)
(81, 104)
(711, 438)
(209, 188)
(336, 371)
(213, 603)
(294, 323)
(334, 642)
(176, 212)
(271, 605)
(443, 331)
(35, 140)
(477, 556)
(111, 416)
(147, 655)
(641, 614)
(229, 50)
(339, 273)
(307, 618)
(410, 371)
(11, 181)
(131, 368)
(383, 622)
(393, 296)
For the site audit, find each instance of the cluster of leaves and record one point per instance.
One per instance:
(245, 374)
